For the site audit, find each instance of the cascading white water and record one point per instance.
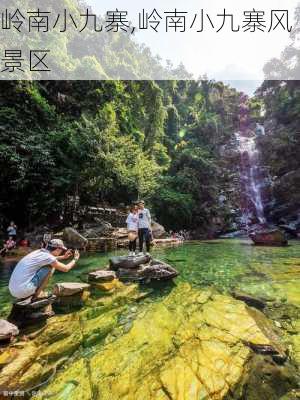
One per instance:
(250, 178)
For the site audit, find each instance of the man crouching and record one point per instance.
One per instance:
(33, 272)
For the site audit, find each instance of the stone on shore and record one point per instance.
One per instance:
(7, 330)
(158, 231)
(271, 237)
(74, 239)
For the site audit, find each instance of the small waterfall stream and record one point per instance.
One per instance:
(252, 179)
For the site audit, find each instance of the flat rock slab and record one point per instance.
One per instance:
(7, 330)
(128, 262)
(101, 276)
(35, 305)
(69, 288)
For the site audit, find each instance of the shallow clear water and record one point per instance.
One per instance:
(99, 341)
(225, 264)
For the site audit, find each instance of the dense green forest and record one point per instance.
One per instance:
(116, 141)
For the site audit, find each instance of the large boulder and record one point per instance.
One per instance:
(158, 231)
(7, 330)
(149, 270)
(269, 237)
(116, 263)
(97, 229)
(74, 239)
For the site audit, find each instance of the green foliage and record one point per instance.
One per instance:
(113, 141)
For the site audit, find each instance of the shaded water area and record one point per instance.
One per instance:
(187, 340)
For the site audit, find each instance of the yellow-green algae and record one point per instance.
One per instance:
(191, 345)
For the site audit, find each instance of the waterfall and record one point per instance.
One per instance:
(252, 179)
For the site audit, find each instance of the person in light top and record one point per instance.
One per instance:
(9, 245)
(33, 272)
(12, 231)
(144, 227)
(132, 228)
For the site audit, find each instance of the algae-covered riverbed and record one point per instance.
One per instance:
(186, 340)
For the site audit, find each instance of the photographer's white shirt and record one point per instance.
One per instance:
(20, 281)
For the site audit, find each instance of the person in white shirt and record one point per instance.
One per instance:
(144, 225)
(33, 272)
(132, 228)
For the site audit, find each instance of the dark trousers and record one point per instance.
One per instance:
(132, 245)
(144, 235)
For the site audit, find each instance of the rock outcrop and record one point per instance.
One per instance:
(269, 237)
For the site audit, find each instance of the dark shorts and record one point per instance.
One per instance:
(40, 275)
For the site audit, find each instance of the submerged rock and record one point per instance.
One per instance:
(192, 345)
(249, 300)
(271, 237)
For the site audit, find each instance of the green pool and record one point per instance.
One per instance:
(135, 338)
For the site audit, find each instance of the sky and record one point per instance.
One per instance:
(237, 58)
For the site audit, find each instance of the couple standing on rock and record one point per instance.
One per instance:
(139, 226)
